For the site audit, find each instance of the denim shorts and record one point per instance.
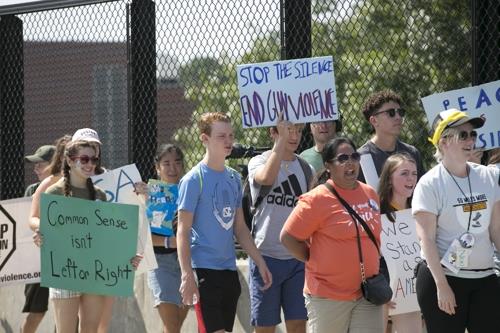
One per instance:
(56, 293)
(165, 281)
(285, 293)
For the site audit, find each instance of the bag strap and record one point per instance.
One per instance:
(354, 218)
(355, 215)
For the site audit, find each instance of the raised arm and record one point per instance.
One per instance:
(266, 175)
(34, 219)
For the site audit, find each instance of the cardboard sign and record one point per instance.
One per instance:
(482, 100)
(401, 250)
(161, 206)
(119, 187)
(303, 89)
(87, 245)
(19, 256)
(369, 170)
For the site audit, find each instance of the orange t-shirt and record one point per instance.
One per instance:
(333, 270)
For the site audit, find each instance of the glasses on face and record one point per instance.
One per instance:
(464, 135)
(343, 158)
(392, 112)
(84, 159)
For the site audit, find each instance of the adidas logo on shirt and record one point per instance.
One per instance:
(286, 194)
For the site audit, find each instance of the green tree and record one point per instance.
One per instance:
(416, 48)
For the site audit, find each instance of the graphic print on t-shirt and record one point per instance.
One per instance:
(367, 212)
(224, 206)
(286, 194)
(478, 204)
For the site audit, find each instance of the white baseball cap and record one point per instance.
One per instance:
(86, 134)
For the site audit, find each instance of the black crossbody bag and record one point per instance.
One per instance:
(376, 289)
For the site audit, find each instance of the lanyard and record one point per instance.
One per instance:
(470, 191)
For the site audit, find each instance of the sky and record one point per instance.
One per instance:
(185, 29)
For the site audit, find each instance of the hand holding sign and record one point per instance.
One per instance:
(302, 89)
(76, 251)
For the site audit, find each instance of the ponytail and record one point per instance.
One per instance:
(91, 189)
(66, 177)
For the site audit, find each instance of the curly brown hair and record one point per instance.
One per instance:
(376, 100)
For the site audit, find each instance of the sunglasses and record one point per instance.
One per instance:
(343, 158)
(464, 135)
(84, 159)
(392, 112)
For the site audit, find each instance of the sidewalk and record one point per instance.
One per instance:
(134, 315)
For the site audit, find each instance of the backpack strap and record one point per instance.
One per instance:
(306, 168)
(200, 178)
(265, 189)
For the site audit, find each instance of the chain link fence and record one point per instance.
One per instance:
(141, 72)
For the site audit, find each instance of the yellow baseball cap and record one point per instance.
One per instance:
(452, 118)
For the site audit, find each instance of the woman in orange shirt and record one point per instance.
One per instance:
(321, 232)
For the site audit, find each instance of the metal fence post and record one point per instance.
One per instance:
(485, 41)
(142, 117)
(11, 108)
(296, 41)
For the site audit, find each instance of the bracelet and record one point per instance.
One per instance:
(166, 242)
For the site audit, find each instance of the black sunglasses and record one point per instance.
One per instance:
(464, 135)
(392, 112)
(343, 158)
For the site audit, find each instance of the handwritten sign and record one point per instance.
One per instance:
(303, 89)
(476, 101)
(87, 245)
(161, 206)
(401, 250)
(119, 184)
(119, 187)
(19, 256)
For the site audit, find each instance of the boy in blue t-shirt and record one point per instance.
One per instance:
(210, 215)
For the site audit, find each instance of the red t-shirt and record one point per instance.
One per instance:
(333, 270)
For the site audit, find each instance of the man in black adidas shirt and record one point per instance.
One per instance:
(280, 169)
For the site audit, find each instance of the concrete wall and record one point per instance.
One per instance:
(133, 314)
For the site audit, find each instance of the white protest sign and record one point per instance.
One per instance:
(401, 250)
(119, 187)
(19, 256)
(303, 89)
(369, 170)
(476, 101)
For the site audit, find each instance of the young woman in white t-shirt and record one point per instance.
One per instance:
(457, 208)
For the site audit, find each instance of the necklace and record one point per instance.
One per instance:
(286, 164)
(466, 239)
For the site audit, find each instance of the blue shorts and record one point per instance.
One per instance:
(165, 281)
(287, 291)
